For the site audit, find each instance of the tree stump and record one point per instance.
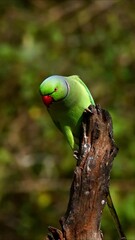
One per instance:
(90, 185)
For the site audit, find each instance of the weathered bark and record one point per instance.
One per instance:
(90, 184)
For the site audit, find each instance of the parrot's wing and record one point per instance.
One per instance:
(69, 136)
(77, 79)
(66, 130)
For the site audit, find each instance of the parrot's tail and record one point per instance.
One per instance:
(115, 217)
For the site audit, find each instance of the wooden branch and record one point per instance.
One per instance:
(90, 184)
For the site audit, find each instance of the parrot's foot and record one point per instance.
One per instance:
(88, 110)
(76, 154)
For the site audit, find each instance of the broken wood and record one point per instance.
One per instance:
(90, 185)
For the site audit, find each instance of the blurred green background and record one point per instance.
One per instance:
(95, 40)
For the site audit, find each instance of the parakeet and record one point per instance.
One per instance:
(66, 98)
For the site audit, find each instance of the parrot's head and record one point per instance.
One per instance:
(54, 89)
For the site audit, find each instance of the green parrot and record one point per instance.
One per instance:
(66, 98)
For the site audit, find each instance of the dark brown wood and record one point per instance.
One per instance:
(90, 186)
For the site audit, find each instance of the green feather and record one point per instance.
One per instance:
(71, 97)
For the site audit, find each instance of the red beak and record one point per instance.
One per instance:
(47, 100)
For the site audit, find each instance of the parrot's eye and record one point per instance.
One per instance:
(55, 89)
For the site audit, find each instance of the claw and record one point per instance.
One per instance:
(87, 110)
(76, 154)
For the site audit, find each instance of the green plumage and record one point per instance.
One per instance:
(67, 110)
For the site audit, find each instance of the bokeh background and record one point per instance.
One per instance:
(95, 40)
